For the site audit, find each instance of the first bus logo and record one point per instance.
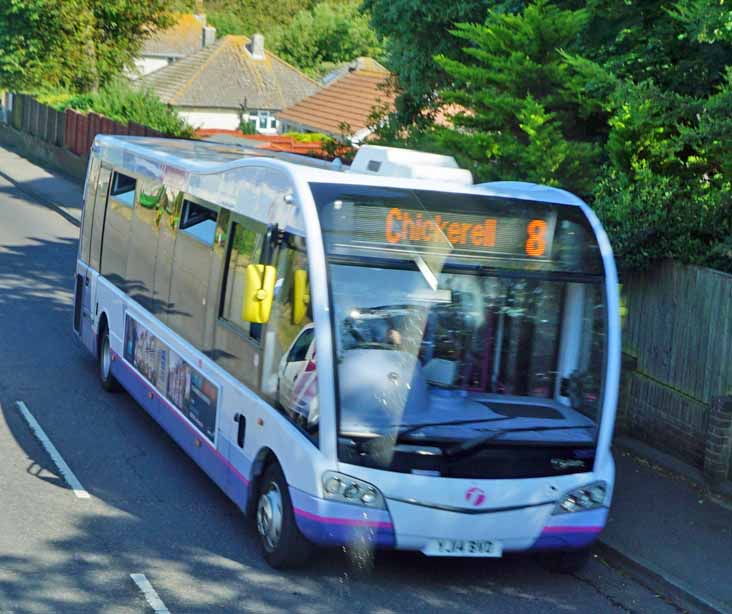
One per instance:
(475, 496)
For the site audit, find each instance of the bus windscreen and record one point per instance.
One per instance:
(468, 329)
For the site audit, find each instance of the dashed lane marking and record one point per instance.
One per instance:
(149, 593)
(65, 470)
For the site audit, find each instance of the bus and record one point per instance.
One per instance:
(381, 355)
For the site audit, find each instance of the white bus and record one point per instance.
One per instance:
(382, 355)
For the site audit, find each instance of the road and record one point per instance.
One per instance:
(151, 511)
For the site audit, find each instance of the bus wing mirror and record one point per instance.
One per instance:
(300, 296)
(258, 293)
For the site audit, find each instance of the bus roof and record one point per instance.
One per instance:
(176, 160)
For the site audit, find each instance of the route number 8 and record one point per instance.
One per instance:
(536, 242)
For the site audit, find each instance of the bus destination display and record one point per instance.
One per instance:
(459, 234)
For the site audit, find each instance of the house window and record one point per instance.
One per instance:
(263, 119)
(272, 123)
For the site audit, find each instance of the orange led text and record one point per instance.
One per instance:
(403, 226)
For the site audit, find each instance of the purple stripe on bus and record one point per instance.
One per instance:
(564, 541)
(332, 534)
(328, 522)
(350, 522)
(588, 518)
(174, 411)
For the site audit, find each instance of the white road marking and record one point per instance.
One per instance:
(149, 592)
(65, 470)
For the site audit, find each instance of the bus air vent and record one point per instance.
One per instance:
(408, 163)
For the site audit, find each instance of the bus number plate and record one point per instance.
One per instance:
(463, 547)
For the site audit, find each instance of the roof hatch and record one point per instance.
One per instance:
(408, 163)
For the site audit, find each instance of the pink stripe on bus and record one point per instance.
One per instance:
(376, 524)
(176, 413)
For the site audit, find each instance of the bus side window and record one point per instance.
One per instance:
(144, 244)
(97, 221)
(199, 222)
(190, 279)
(90, 194)
(123, 189)
(291, 383)
(117, 229)
(245, 248)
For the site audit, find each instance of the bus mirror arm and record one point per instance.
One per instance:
(300, 296)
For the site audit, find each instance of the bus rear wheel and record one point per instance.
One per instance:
(104, 362)
(283, 545)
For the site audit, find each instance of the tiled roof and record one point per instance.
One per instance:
(280, 142)
(348, 98)
(180, 40)
(226, 76)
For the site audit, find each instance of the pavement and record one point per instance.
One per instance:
(60, 193)
(669, 528)
(153, 514)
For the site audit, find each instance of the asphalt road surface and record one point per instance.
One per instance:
(151, 511)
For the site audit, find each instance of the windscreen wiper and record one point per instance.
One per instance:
(385, 441)
(477, 443)
(407, 429)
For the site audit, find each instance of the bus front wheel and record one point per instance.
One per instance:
(104, 359)
(282, 543)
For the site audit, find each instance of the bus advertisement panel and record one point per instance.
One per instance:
(186, 388)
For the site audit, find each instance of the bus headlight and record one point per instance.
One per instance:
(344, 488)
(581, 499)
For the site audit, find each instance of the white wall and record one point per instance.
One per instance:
(227, 120)
(146, 65)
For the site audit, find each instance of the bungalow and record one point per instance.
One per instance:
(189, 34)
(231, 81)
(345, 104)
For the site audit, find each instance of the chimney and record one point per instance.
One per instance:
(256, 46)
(200, 14)
(208, 35)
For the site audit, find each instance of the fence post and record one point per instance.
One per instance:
(58, 137)
(718, 449)
(36, 118)
(16, 117)
(69, 129)
(26, 113)
(43, 121)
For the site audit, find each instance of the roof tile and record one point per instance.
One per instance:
(181, 39)
(225, 75)
(349, 99)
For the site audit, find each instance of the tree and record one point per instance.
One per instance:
(76, 45)
(624, 101)
(246, 16)
(520, 120)
(330, 33)
(416, 31)
(666, 190)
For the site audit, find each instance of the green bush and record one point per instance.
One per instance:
(320, 38)
(123, 103)
(625, 103)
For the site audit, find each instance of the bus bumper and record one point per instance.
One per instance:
(405, 526)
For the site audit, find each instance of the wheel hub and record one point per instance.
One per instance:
(269, 516)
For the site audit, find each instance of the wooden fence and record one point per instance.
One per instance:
(68, 129)
(679, 332)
